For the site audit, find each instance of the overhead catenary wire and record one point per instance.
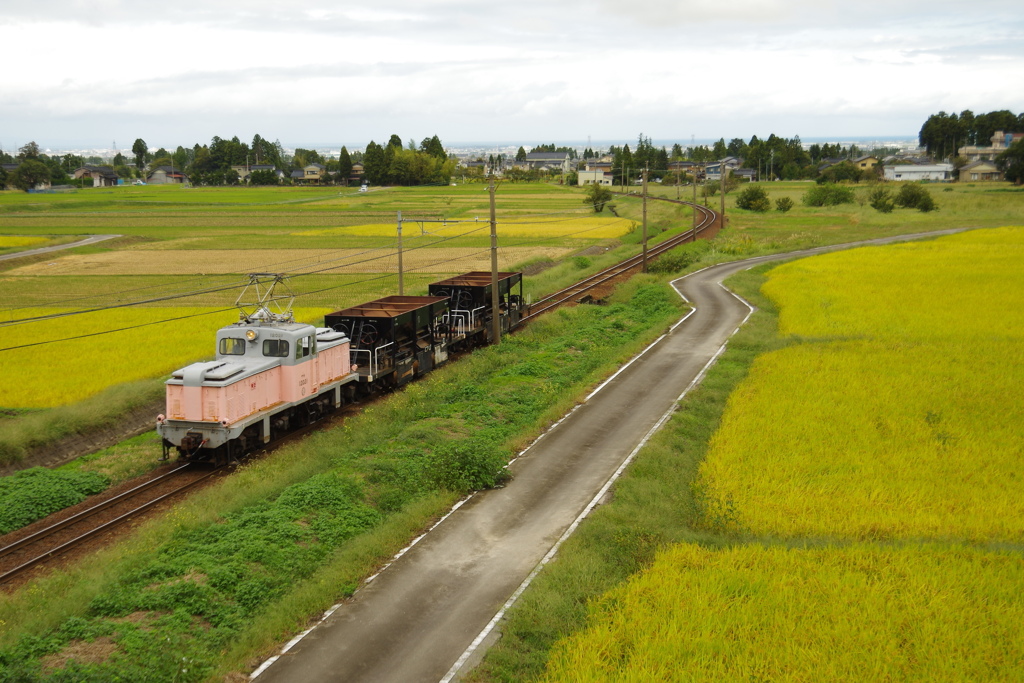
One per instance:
(569, 215)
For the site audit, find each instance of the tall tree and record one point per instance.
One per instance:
(344, 165)
(30, 173)
(373, 164)
(720, 151)
(434, 148)
(28, 151)
(140, 149)
(1012, 163)
(521, 154)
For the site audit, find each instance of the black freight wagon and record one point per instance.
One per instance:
(396, 338)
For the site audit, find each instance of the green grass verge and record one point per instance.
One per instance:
(22, 432)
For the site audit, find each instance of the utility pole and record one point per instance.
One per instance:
(723, 176)
(645, 221)
(495, 300)
(401, 279)
(695, 202)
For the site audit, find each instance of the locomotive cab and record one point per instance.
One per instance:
(268, 376)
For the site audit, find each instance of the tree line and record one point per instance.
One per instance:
(943, 134)
(212, 164)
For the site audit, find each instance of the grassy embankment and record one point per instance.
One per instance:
(230, 572)
(858, 512)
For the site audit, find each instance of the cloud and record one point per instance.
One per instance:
(538, 69)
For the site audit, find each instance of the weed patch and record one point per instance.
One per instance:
(35, 493)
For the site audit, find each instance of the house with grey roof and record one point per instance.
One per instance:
(101, 176)
(557, 162)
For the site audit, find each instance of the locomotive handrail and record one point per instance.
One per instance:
(376, 364)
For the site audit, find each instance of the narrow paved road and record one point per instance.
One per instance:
(421, 618)
(44, 250)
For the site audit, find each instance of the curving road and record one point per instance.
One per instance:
(430, 614)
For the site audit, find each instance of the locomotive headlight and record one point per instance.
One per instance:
(251, 335)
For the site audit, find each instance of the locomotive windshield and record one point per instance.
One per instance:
(277, 348)
(232, 346)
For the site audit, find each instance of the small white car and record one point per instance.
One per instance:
(364, 188)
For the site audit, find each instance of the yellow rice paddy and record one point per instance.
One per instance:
(909, 423)
(9, 241)
(56, 374)
(755, 613)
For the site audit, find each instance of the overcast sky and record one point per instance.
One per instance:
(87, 73)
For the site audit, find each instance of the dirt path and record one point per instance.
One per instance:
(430, 614)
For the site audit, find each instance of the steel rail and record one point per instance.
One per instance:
(560, 297)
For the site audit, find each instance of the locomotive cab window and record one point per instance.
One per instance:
(232, 346)
(277, 348)
(305, 346)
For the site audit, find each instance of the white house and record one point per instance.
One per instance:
(599, 177)
(919, 172)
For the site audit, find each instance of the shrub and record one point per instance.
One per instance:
(910, 196)
(828, 194)
(880, 199)
(679, 258)
(753, 198)
(926, 203)
(783, 204)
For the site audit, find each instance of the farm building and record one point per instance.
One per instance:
(919, 172)
(166, 175)
(101, 176)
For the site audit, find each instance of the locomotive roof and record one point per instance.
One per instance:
(302, 328)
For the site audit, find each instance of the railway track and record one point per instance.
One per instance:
(64, 535)
(573, 292)
(58, 538)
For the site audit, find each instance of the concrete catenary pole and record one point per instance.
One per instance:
(401, 278)
(694, 202)
(495, 305)
(723, 178)
(645, 221)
